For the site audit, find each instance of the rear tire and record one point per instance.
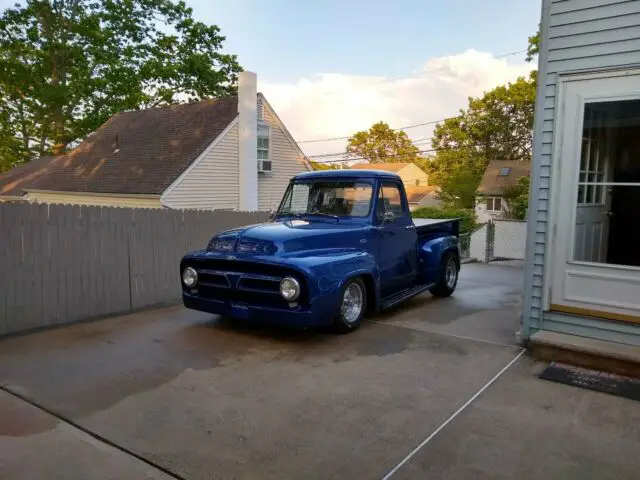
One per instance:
(447, 277)
(353, 304)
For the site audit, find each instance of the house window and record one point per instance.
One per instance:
(504, 171)
(263, 142)
(494, 204)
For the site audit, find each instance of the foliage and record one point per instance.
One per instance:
(467, 217)
(323, 166)
(66, 66)
(496, 126)
(533, 48)
(381, 144)
(459, 189)
(518, 199)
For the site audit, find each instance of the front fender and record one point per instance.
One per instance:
(328, 271)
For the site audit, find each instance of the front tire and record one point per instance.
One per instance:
(353, 305)
(447, 277)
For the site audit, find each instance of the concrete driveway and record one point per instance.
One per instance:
(173, 393)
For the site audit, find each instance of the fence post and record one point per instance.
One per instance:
(488, 254)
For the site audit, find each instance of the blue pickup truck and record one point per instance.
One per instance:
(342, 243)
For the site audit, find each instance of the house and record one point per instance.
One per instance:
(582, 267)
(230, 153)
(426, 196)
(410, 173)
(498, 178)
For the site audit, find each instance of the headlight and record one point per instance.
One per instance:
(289, 288)
(189, 277)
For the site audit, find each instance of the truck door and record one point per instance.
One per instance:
(397, 247)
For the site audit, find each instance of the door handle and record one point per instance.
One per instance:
(410, 227)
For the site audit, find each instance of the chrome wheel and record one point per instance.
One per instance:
(352, 303)
(451, 273)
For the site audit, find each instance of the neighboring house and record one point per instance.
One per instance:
(230, 153)
(423, 196)
(582, 267)
(498, 178)
(410, 173)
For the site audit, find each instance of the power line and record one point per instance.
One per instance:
(511, 53)
(419, 141)
(351, 159)
(394, 129)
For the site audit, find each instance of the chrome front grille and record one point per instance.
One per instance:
(243, 282)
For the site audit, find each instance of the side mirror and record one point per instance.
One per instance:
(388, 217)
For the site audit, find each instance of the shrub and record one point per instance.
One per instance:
(467, 217)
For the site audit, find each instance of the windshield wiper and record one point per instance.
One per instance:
(322, 214)
(289, 214)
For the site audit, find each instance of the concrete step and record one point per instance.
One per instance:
(586, 352)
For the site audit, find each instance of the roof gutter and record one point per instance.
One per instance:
(95, 194)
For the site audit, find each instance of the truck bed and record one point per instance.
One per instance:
(430, 226)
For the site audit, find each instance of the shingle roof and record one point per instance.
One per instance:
(137, 152)
(493, 183)
(415, 194)
(387, 167)
(26, 173)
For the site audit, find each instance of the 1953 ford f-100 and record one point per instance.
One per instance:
(341, 243)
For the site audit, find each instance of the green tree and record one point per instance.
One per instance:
(66, 66)
(381, 144)
(323, 166)
(533, 48)
(458, 190)
(497, 125)
(518, 199)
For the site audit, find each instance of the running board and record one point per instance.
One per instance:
(402, 295)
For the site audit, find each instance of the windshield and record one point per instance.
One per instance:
(339, 199)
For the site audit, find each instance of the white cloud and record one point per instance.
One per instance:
(335, 104)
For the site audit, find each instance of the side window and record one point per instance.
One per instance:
(390, 200)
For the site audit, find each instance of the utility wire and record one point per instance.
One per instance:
(351, 159)
(394, 129)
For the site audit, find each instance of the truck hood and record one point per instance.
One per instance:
(287, 236)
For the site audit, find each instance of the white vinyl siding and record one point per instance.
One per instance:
(286, 162)
(577, 36)
(213, 182)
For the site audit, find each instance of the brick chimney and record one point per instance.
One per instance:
(248, 140)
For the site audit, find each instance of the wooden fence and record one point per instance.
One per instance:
(64, 263)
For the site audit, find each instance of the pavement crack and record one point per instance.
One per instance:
(67, 421)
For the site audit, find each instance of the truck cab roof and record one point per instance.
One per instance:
(322, 174)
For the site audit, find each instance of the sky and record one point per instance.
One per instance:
(330, 68)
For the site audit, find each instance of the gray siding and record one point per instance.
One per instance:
(64, 263)
(577, 36)
(212, 182)
(286, 163)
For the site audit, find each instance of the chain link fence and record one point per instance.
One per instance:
(498, 240)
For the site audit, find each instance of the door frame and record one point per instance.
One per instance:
(559, 248)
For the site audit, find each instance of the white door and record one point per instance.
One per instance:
(598, 124)
(593, 201)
